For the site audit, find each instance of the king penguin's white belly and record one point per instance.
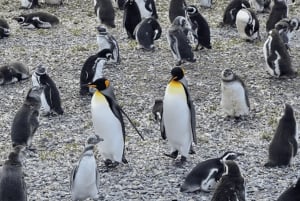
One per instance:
(108, 127)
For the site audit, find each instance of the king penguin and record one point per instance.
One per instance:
(105, 12)
(51, 102)
(28, 4)
(234, 95)
(4, 29)
(179, 116)
(146, 32)
(292, 193)
(13, 72)
(283, 147)
(12, 183)
(278, 12)
(277, 58)
(147, 8)
(176, 8)
(37, 20)
(232, 184)
(247, 24)
(84, 182)
(131, 17)
(205, 175)
(231, 11)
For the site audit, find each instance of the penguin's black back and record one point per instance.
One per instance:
(291, 194)
(131, 17)
(278, 12)
(176, 8)
(232, 9)
(148, 26)
(106, 13)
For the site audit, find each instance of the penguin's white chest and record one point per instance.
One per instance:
(25, 3)
(144, 12)
(243, 18)
(272, 70)
(103, 43)
(45, 106)
(108, 127)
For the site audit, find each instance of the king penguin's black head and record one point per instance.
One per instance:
(100, 84)
(177, 73)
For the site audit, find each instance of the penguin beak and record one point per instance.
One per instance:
(89, 85)
(173, 78)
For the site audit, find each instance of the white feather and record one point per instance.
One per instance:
(209, 183)
(143, 11)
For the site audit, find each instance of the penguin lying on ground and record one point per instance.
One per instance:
(105, 12)
(4, 29)
(176, 8)
(292, 193)
(13, 72)
(39, 20)
(247, 24)
(229, 16)
(131, 17)
(278, 12)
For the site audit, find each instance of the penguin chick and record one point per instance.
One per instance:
(284, 146)
(176, 8)
(105, 12)
(229, 16)
(13, 72)
(234, 95)
(29, 4)
(92, 70)
(146, 32)
(286, 29)
(50, 96)
(147, 8)
(278, 12)
(179, 43)
(4, 29)
(199, 26)
(12, 183)
(26, 121)
(231, 186)
(277, 58)
(37, 20)
(292, 193)
(131, 17)
(247, 24)
(84, 182)
(179, 118)
(107, 41)
(205, 175)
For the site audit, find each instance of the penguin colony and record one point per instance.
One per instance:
(177, 101)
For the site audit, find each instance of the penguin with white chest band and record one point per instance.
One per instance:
(84, 181)
(13, 72)
(292, 193)
(51, 102)
(147, 8)
(37, 20)
(229, 16)
(29, 4)
(4, 29)
(278, 12)
(179, 118)
(205, 175)
(131, 18)
(105, 12)
(247, 24)
(284, 146)
(234, 95)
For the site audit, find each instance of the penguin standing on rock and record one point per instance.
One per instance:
(206, 174)
(4, 29)
(28, 4)
(247, 24)
(278, 61)
(229, 16)
(147, 8)
(284, 145)
(292, 193)
(176, 8)
(179, 118)
(105, 12)
(146, 32)
(278, 12)
(131, 18)
(37, 20)
(84, 182)
(50, 97)
(234, 95)
(13, 72)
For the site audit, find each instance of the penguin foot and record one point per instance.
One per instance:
(181, 162)
(108, 163)
(192, 151)
(173, 155)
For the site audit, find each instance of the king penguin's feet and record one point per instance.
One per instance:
(173, 155)
(181, 162)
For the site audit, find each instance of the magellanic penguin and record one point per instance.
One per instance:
(13, 72)
(179, 118)
(131, 17)
(107, 41)
(84, 180)
(283, 147)
(205, 175)
(147, 8)
(199, 26)
(26, 120)
(51, 102)
(105, 12)
(37, 20)
(92, 70)
(234, 95)
(28, 4)
(179, 43)
(278, 12)
(4, 29)
(277, 58)
(231, 11)
(292, 193)
(247, 24)
(12, 183)
(231, 186)
(157, 111)
(286, 28)
(176, 8)
(146, 32)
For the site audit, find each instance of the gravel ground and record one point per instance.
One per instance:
(138, 81)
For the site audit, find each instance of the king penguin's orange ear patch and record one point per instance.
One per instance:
(107, 83)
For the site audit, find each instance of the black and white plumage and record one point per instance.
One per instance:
(4, 29)
(28, 4)
(277, 58)
(234, 95)
(205, 175)
(179, 43)
(231, 186)
(278, 12)
(50, 97)
(200, 27)
(176, 8)
(147, 8)
(12, 183)
(84, 181)
(92, 70)
(105, 12)
(37, 20)
(26, 120)
(247, 24)
(292, 193)
(13, 72)
(283, 147)
(286, 29)
(107, 41)
(131, 18)
(232, 9)
(146, 32)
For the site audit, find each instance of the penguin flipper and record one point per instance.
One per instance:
(55, 104)
(245, 89)
(162, 129)
(294, 146)
(73, 175)
(241, 195)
